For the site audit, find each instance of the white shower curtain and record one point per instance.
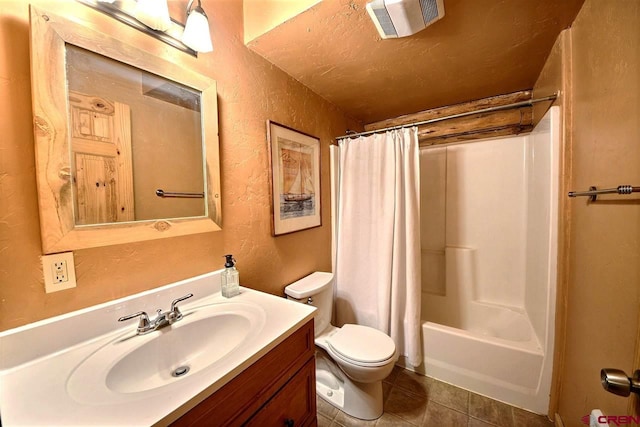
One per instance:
(377, 264)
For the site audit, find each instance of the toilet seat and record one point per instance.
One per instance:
(361, 346)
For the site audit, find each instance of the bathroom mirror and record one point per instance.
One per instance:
(126, 142)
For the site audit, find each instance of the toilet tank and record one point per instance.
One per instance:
(315, 289)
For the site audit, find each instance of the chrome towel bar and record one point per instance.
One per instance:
(594, 192)
(162, 193)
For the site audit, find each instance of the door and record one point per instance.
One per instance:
(102, 165)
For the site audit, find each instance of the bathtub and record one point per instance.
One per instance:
(511, 371)
(490, 349)
(489, 262)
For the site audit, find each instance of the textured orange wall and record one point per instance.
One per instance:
(597, 62)
(250, 91)
(261, 16)
(604, 279)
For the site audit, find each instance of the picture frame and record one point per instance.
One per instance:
(294, 164)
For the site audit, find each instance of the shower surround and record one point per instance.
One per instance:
(489, 253)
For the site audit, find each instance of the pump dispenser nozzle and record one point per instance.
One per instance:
(230, 262)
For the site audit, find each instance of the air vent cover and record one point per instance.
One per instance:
(401, 18)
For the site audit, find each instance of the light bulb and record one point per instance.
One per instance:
(196, 31)
(154, 14)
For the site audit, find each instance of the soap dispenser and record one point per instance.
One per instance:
(230, 278)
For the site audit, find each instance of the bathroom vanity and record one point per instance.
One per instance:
(277, 390)
(247, 360)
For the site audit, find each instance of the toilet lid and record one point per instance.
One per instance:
(362, 344)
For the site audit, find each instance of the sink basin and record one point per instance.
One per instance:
(132, 365)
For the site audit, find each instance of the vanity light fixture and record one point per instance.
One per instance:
(133, 13)
(154, 14)
(196, 31)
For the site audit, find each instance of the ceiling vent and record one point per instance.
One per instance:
(401, 18)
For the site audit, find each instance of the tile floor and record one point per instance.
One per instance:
(412, 400)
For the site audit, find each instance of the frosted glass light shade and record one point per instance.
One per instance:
(154, 14)
(196, 32)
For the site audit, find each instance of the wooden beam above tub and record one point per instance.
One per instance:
(483, 125)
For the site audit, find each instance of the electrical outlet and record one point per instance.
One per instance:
(59, 272)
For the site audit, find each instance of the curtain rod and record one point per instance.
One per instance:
(527, 103)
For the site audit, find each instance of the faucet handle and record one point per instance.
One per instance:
(174, 313)
(143, 325)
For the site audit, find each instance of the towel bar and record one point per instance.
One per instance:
(594, 192)
(162, 193)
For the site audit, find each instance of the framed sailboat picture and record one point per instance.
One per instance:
(295, 179)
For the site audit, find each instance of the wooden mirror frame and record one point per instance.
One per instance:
(49, 35)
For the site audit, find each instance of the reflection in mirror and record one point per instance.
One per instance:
(132, 133)
(113, 124)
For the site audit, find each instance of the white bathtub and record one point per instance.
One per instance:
(489, 257)
(514, 372)
(487, 348)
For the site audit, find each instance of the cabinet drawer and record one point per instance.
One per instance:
(294, 405)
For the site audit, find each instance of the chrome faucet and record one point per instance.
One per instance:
(146, 325)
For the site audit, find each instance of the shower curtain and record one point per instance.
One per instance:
(377, 235)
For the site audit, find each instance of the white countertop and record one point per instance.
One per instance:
(37, 360)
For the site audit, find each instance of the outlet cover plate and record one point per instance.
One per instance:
(48, 269)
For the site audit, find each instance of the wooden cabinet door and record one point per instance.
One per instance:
(294, 405)
(102, 165)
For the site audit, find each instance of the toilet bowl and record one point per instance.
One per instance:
(352, 360)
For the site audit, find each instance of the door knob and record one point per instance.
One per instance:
(617, 382)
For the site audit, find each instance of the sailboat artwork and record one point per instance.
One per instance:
(297, 198)
(294, 160)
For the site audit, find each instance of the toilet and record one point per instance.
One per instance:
(351, 361)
